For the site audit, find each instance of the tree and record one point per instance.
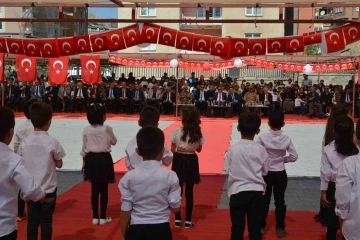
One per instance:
(312, 50)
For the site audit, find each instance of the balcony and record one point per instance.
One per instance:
(335, 13)
(200, 14)
(199, 25)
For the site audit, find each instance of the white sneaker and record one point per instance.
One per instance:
(105, 221)
(95, 221)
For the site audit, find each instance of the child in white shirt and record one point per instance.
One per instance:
(299, 106)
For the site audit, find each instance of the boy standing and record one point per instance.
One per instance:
(149, 116)
(22, 132)
(13, 171)
(149, 192)
(43, 154)
(277, 144)
(248, 163)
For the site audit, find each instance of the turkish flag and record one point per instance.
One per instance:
(257, 46)
(90, 69)
(3, 48)
(351, 33)
(82, 44)
(358, 70)
(98, 42)
(276, 45)
(239, 47)
(2, 66)
(167, 36)
(334, 40)
(66, 46)
(49, 47)
(26, 68)
(15, 45)
(32, 47)
(184, 40)
(294, 44)
(115, 40)
(58, 70)
(220, 46)
(201, 43)
(150, 33)
(132, 35)
(312, 38)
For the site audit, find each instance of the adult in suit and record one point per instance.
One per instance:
(124, 98)
(313, 99)
(37, 91)
(80, 98)
(234, 99)
(112, 98)
(266, 99)
(326, 98)
(154, 96)
(11, 94)
(137, 99)
(168, 100)
(200, 99)
(347, 97)
(51, 95)
(63, 100)
(220, 97)
(95, 94)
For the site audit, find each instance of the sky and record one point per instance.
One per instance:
(104, 12)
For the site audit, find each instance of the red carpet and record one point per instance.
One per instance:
(72, 218)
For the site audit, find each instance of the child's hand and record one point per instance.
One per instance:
(22, 196)
(83, 167)
(324, 202)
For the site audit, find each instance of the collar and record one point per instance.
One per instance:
(40, 133)
(276, 132)
(4, 146)
(150, 164)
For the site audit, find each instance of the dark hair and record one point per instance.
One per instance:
(336, 111)
(96, 113)
(7, 120)
(276, 119)
(149, 116)
(27, 106)
(344, 136)
(150, 141)
(249, 124)
(358, 129)
(190, 119)
(40, 114)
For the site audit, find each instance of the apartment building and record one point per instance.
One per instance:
(251, 30)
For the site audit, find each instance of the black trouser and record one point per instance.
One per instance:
(332, 220)
(276, 182)
(201, 105)
(21, 206)
(41, 214)
(246, 205)
(159, 231)
(11, 236)
(168, 107)
(96, 190)
(189, 196)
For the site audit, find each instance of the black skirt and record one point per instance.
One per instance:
(186, 167)
(99, 167)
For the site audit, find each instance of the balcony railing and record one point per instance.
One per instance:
(191, 25)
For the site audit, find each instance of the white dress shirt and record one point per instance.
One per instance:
(347, 196)
(22, 132)
(132, 159)
(97, 139)
(330, 162)
(149, 191)
(276, 145)
(175, 137)
(12, 173)
(248, 162)
(40, 152)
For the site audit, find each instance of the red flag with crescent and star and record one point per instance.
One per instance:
(49, 47)
(334, 40)
(58, 70)
(276, 45)
(3, 48)
(132, 35)
(90, 69)
(82, 44)
(32, 47)
(294, 44)
(66, 46)
(26, 68)
(15, 45)
(150, 33)
(257, 46)
(184, 40)
(2, 66)
(115, 40)
(312, 38)
(99, 42)
(351, 33)
(220, 46)
(202, 43)
(239, 47)
(167, 36)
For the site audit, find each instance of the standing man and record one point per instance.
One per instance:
(306, 81)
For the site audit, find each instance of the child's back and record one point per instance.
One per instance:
(97, 139)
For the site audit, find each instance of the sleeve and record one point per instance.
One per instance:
(202, 140)
(260, 141)
(227, 161)
(59, 152)
(16, 143)
(266, 165)
(127, 159)
(113, 139)
(325, 172)
(173, 135)
(174, 197)
(83, 149)
(344, 184)
(126, 198)
(293, 155)
(26, 182)
(167, 157)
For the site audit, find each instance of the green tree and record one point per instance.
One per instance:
(312, 50)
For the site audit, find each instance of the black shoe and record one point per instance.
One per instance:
(177, 223)
(189, 224)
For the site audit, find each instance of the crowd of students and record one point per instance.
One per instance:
(150, 193)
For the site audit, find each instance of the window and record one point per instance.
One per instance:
(147, 47)
(147, 12)
(339, 9)
(252, 35)
(1, 28)
(317, 29)
(1, 9)
(253, 11)
(213, 12)
(357, 9)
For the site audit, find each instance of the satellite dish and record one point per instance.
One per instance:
(322, 13)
